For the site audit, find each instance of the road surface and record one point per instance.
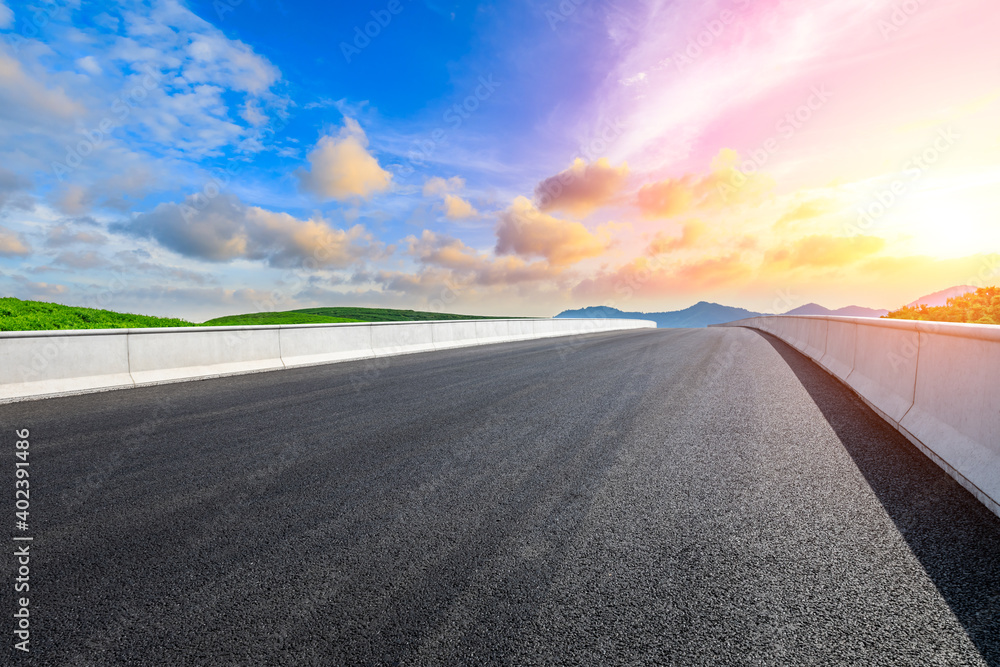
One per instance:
(689, 497)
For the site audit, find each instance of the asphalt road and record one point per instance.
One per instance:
(688, 497)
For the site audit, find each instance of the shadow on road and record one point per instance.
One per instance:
(955, 538)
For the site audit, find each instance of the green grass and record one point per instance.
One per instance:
(333, 315)
(288, 317)
(18, 315)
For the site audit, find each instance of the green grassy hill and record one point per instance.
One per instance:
(18, 315)
(332, 315)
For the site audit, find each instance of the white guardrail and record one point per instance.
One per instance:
(41, 364)
(937, 383)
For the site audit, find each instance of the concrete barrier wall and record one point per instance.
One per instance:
(492, 331)
(391, 338)
(937, 383)
(841, 339)
(171, 354)
(458, 334)
(312, 344)
(885, 368)
(521, 330)
(544, 328)
(38, 364)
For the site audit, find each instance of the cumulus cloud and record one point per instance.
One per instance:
(67, 234)
(437, 186)
(692, 233)
(26, 100)
(654, 277)
(456, 208)
(582, 188)
(468, 265)
(449, 271)
(526, 231)
(342, 168)
(12, 244)
(224, 229)
(724, 185)
(453, 206)
(74, 200)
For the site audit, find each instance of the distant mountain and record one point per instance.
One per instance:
(849, 311)
(701, 314)
(941, 298)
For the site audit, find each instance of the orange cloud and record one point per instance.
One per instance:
(12, 245)
(693, 232)
(341, 167)
(581, 188)
(823, 251)
(805, 211)
(465, 265)
(454, 207)
(525, 231)
(724, 185)
(656, 277)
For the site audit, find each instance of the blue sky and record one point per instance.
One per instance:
(207, 158)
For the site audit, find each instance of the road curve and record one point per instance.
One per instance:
(689, 497)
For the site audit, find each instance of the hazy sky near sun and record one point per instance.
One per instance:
(516, 157)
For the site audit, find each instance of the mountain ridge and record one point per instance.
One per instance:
(705, 313)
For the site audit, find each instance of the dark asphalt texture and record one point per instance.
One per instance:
(658, 497)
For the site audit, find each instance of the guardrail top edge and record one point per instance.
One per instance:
(49, 333)
(987, 332)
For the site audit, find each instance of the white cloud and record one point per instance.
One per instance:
(152, 91)
(25, 100)
(224, 229)
(436, 186)
(89, 65)
(6, 17)
(342, 168)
